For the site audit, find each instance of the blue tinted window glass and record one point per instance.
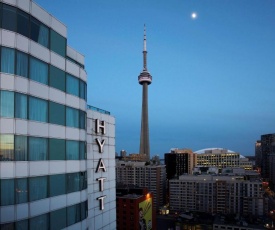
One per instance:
(57, 185)
(58, 219)
(72, 117)
(58, 43)
(57, 149)
(21, 153)
(21, 106)
(39, 32)
(22, 225)
(82, 150)
(72, 150)
(6, 104)
(38, 188)
(21, 190)
(72, 182)
(23, 24)
(73, 214)
(22, 64)
(38, 149)
(83, 180)
(6, 147)
(57, 78)
(7, 60)
(39, 222)
(38, 71)
(9, 18)
(56, 113)
(38, 109)
(82, 119)
(7, 192)
(82, 92)
(83, 210)
(72, 85)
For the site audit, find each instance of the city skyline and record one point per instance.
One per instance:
(213, 73)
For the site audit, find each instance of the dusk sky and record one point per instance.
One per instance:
(213, 76)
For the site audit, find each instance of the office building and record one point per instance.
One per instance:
(179, 161)
(225, 194)
(258, 154)
(140, 174)
(57, 157)
(135, 209)
(144, 79)
(222, 158)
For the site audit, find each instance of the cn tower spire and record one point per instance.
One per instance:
(144, 79)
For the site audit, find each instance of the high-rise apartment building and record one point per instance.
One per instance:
(57, 157)
(217, 194)
(179, 161)
(152, 177)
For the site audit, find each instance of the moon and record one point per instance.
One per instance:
(194, 15)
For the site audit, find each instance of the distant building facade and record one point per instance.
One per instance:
(135, 209)
(179, 161)
(140, 174)
(217, 194)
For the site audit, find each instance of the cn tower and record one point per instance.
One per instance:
(144, 79)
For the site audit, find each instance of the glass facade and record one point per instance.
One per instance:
(23, 190)
(28, 148)
(24, 65)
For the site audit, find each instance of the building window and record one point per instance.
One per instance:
(38, 109)
(57, 78)
(82, 90)
(58, 219)
(39, 32)
(72, 117)
(72, 182)
(9, 18)
(7, 60)
(23, 23)
(38, 71)
(21, 190)
(21, 106)
(7, 104)
(57, 184)
(56, 113)
(22, 64)
(6, 148)
(72, 150)
(82, 150)
(73, 214)
(56, 149)
(20, 147)
(39, 222)
(7, 192)
(38, 149)
(58, 43)
(38, 188)
(72, 85)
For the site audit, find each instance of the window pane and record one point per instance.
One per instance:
(21, 148)
(22, 225)
(38, 188)
(39, 222)
(82, 119)
(73, 214)
(82, 151)
(58, 219)
(21, 191)
(38, 109)
(57, 78)
(38, 149)
(83, 180)
(6, 148)
(72, 117)
(57, 185)
(7, 192)
(9, 18)
(7, 60)
(57, 149)
(72, 150)
(38, 71)
(83, 210)
(58, 43)
(39, 33)
(72, 85)
(56, 113)
(72, 182)
(7, 104)
(9, 226)
(23, 25)
(22, 64)
(21, 106)
(82, 92)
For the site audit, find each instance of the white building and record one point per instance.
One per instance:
(217, 194)
(56, 157)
